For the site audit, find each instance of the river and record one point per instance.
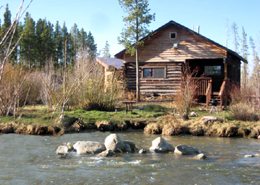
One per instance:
(32, 160)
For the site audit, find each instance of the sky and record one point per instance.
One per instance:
(104, 18)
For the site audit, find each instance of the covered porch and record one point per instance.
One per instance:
(213, 78)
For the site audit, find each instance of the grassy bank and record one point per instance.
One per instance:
(154, 119)
(40, 115)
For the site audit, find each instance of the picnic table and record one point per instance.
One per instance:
(128, 105)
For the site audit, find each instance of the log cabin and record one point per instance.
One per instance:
(171, 46)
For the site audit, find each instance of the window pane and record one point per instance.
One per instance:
(212, 70)
(147, 72)
(158, 72)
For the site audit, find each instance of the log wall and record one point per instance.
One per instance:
(163, 86)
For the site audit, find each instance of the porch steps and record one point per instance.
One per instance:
(215, 96)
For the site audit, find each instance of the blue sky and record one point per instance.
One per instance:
(104, 17)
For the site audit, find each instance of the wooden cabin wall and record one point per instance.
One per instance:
(162, 86)
(190, 46)
(234, 68)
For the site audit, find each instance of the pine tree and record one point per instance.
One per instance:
(82, 36)
(91, 47)
(244, 52)
(74, 39)
(7, 23)
(28, 42)
(57, 41)
(136, 26)
(105, 51)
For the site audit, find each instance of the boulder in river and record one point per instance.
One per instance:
(106, 153)
(200, 156)
(129, 146)
(115, 143)
(64, 150)
(160, 145)
(88, 147)
(186, 150)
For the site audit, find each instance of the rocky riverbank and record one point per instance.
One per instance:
(167, 125)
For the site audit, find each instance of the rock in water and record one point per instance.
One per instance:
(64, 149)
(114, 143)
(142, 151)
(131, 144)
(200, 156)
(88, 147)
(186, 150)
(106, 153)
(160, 145)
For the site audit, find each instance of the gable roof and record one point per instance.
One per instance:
(106, 62)
(183, 27)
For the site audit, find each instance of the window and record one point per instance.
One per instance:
(173, 35)
(154, 72)
(212, 70)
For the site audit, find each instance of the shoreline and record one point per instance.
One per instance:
(206, 128)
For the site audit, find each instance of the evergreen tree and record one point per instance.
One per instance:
(6, 25)
(136, 27)
(82, 35)
(28, 44)
(74, 39)
(57, 41)
(105, 52)
(91, 47)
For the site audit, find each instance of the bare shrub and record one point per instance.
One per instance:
(10, 88)
(186, 96)
(242, 104)
(243, 111)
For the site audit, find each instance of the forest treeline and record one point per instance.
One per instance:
(42, 42)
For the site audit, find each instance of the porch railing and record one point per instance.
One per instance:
(202, 84)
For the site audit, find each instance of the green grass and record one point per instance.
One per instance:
(40, 115)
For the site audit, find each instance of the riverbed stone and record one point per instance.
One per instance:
(142, 151)
(106, 153)
(186, 150)
(64, 149)
(131, 144)
(249, 156)
(89, 147)
(115, 143)
(200, 156)
(160, 145)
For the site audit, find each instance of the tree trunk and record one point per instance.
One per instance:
(137, 59)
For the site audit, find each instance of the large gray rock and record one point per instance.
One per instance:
(114, 143)
(160, 145)
(64, 149)
(129, 146)
(186, 150)
(89, 147)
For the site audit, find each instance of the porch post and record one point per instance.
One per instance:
(225, 68)
(225, 79)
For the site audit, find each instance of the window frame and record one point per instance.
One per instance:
(212, 74)
(152, 68)
(170, 35)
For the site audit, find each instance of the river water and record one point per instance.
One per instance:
(32, 160)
